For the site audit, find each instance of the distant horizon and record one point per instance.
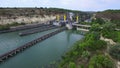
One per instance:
(81, 5)
(58, 8)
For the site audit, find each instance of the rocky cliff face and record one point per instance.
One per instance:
(24, 19)
(25, 15)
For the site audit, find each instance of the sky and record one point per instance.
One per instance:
(83, 5)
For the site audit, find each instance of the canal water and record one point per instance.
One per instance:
(41, 54)
(10, 41)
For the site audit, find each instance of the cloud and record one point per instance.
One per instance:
(68, 4)
(90, 4)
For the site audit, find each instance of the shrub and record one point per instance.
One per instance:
(14, 24)
(96, 45)
(100, 61)
(4, 27)
(109, 26)
(115, 52)
(72, 65)
(98, 20)
(95, 27)
(111, 35)
(85, 54)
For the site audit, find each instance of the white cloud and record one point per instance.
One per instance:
(69, 4)
(89, 4)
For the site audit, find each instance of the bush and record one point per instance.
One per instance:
(92, 36)
(4, 27)
(115, 52)
(98, 20)
(96, 45)
(109, 26)
(14, 24)
(93, 43)
(111, 35)
(85, 54)
(22, 23)
(72, 65)
(109, 31)
(95, 27)
(100, 61)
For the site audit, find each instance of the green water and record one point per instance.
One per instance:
(10, 41)
(39, 55)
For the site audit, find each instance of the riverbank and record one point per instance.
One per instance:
(93, 51)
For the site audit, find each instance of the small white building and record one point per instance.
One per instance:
(56, 23)
(69, 26)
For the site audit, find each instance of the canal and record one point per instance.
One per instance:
(10, 41)
(41, 54)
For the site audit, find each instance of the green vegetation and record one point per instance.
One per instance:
(4, 27)
(84, 50)
(16, 24)
(117, 22)
(95, 27)
(108, 31)
(115, 52)
(110, 15)
(72, 65)
(112, 11)
(63, 10)
(118, 33)
(85, 23)
(100, 61)
(90, 51)
(98, 21)
(7, 26)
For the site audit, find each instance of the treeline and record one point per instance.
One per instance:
(112, 11)
(33, 11)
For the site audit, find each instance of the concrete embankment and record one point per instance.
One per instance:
(42, 28)
(24, 27)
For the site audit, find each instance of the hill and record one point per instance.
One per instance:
(30, 15)
(109, 14)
